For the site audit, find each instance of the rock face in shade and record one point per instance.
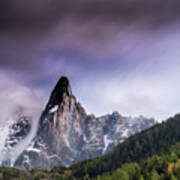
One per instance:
(66, 134)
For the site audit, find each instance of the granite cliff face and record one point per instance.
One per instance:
(66, 134)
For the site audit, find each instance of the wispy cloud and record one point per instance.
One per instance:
(17, 100)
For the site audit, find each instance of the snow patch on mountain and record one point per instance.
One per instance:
(107, 142)
(54, 109)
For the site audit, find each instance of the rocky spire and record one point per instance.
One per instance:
(62, 88)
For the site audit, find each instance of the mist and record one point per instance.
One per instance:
(17, 100)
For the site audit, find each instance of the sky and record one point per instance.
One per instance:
(119, 55)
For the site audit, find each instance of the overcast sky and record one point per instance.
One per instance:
(119, 55)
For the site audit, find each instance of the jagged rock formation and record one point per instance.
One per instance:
(18, 131)
(67, 134)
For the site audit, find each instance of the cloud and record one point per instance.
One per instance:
(42, 40)
(134, 95)
(150, 87)
(35, 15)
(29, 29)
(17, 100)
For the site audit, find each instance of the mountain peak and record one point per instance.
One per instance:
(66, 134)
(62, 87)
(63, 81)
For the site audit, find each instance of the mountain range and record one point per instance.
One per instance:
(153, 154)
(66, 134)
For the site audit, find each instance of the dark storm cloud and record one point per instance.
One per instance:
(34, 15)
(28, 28)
